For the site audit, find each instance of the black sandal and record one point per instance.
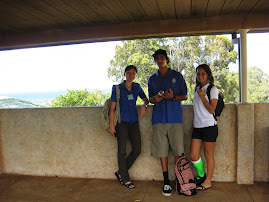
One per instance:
(202, 188)
(118, 177)
(129, 185)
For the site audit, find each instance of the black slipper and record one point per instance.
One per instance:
(118, 177)
(202, 188)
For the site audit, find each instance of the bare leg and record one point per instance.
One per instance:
(209, 148)
(195, 149)
(164, 163)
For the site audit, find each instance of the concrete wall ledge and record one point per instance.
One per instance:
(71, 142)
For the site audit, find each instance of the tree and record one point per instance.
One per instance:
(258, 85)
(219, 55)
(80, 98)
(217, 51)
(138, 53)
(185, 54)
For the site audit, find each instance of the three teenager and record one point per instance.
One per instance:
(167, 88)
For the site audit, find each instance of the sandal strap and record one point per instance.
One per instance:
(129, 185)
(119, 178)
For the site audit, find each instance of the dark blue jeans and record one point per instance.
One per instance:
(127, 130)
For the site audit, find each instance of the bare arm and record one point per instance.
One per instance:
(142, 112)
(181, 97)
(112, 130)
(169, 95)
(209, 106)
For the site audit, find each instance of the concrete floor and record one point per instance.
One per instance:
(32, 188)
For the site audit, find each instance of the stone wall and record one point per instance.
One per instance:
(71, 142)
(261, 142)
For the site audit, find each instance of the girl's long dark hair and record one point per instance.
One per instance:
(208, 72)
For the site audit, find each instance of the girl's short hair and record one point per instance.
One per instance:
(208, 72)
(130, 67)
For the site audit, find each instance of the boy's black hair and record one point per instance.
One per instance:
(130, 67)
(161, 52)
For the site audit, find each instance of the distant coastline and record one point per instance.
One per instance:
(41, 97)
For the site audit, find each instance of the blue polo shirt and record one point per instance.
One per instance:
(128, 99)
(167, 111)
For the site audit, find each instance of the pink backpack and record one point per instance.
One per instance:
(184, 178)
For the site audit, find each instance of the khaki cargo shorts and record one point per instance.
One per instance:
(165, 135)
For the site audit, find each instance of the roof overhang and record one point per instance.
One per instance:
(212, 20)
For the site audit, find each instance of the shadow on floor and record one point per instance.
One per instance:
(32, 188)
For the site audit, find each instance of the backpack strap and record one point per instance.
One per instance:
(208, 95)
(208, 91)
(118, 102)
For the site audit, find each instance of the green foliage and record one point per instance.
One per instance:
(228, 85)
(80, 98)
(190, 94)
(258, 85)
(217, 51)
(185, 54)
(138, 53)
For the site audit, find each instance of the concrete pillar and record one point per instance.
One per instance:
(1, 150)
(245, 144)
(244, 65)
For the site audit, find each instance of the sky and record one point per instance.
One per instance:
(56, 68)
(257, 51)
(81, 66)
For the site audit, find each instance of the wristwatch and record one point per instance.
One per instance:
(174, 98)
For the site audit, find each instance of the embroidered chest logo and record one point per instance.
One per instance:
(174, 80)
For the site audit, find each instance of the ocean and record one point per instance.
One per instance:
(35, 97)
(40, 97)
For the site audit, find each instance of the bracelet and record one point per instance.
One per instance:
(174, 98)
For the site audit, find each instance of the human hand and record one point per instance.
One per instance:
(201, 92)
(142, 112)
(168, 94)
(157, 98)
(112, 131)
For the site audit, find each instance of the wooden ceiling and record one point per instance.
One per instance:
(31, 23)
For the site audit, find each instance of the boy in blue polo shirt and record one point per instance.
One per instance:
(128, 127)
(167, 88)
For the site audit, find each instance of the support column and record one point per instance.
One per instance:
(1, 150)
(243, 65)
(245, 144)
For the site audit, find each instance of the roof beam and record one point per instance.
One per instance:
(160, 28)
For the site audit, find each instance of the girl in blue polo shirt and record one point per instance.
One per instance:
(205, 129)
(129, 127)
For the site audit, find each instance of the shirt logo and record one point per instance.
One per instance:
(174, 80)
(130, 97)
